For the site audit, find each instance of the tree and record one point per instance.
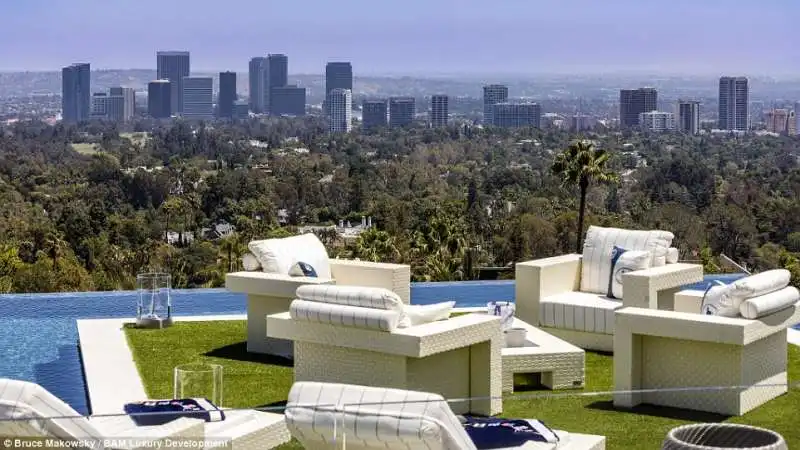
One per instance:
(581, 164)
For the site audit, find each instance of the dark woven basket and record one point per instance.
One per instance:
(708, 436)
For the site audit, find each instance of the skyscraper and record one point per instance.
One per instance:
(173, 66)
(338, 75)
(492, 94)
(159, 93)
(277, 77)
(198, 101)
(121, 104)
(733, 104)
(439, 111)
(688, 113)
(287, 100)
(401, 111)
(374, 114)
(512, 115)
(340, 109)
(227, 94)
(656, 121)
(76, 92)
(257, 79)
(633, 102)
(781, 121)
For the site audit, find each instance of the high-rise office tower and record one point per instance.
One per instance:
(287, 100)
(198, 98)
(257, 80)
(76, 93)
(99, 109)
(121, 104)
(633, 102)
(374, 114)
(227, 94)
(493, 94)
(688, 112)
(781, 121)
(656, 121)
(401, 111)
(159, 94)
(440, 110)
(512, 115)
(277, 77)
(340, 110)
(733, 104)
(338, 75)
(173, 66)
(797, 117)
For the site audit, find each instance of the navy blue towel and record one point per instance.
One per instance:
(169, 410)
(495, 432)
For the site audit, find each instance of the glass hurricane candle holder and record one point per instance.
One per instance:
(154, 305)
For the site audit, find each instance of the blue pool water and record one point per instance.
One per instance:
(38, 333)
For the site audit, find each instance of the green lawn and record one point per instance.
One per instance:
(252, 381)
(85, 148)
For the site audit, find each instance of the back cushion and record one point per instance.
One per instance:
(600, 243)
(279, 255)
(363, 296)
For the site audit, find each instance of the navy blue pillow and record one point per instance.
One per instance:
(495, 433)
(615, 254)
(301, 269)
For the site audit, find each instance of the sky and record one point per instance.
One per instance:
(442, 37)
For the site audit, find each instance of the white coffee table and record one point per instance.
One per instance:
(560, 363)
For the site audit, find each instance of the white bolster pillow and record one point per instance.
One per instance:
(764, 305)
(343, 315)
(362, 296)
(673, 255)
(761, 284)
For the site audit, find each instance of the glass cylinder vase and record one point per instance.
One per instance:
(154, 305)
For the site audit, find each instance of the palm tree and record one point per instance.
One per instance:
(581, 164)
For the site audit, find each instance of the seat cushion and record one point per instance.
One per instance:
(579, 311)
(600, 243)
(279, 255)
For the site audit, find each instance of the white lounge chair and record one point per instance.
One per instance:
(28, 410)
(270, 288)
(325, 416)
(567, 296)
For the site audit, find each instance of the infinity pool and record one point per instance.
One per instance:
(38, 334)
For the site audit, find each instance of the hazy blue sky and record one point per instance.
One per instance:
(410, 36)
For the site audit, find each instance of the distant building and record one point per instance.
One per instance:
(159, 93)
(440, 110)
(513, 115)
(99, 109)
(781, 121)
(338, 75)
(340, 109)
(227, 94)
(173, 66)
(734, 101)
(401, 111)
(493, 94)
(374, 114)
(76, 93)
(198, 98)
(581, 122)
(121, 104)
(288, 100)
(257, 75)
(633, 102)
(656, 121)
(756, 112)
(278, 77)
(688, 113)
(797, 117)
(241, 110)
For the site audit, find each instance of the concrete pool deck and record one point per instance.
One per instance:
(112, 379)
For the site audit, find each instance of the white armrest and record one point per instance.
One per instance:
(542, 278)
(394, 277)
(269, 284)
(642, 288)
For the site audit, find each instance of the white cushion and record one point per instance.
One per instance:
(579, 311)
(414, 315)
(346, 316)
(250, 262)
(773, 302)
(318, 414)
(673, 255)
(363, 296)
(627, 261)
(718, 301)
(278, 255)
(761, 284)
(600, 242)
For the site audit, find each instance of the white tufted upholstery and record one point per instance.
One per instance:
(580, 311)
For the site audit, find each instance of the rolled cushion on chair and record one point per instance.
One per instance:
(278, 255)
(673, 255)
(250, 262)
(362, 296)
(773, 302)
(343, 315)
(761, 284)
(421, 314)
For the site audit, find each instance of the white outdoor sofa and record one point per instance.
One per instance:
(326, 416)
(270, 288)
(567, 296)
(336, 341)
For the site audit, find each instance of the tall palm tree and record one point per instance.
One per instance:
(581, 164)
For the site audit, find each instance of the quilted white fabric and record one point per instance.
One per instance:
(348, 316)
(580, 311)
(278, 255)
(773, 302)
(365, 297)
(599, 243)
(628, 262)
(321, 415)
(760, 284)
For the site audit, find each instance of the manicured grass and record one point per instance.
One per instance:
(85, 149)
(253, 381)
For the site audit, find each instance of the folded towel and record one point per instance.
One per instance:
(144, 413)
(495, 432)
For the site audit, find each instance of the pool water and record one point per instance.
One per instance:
(38, 333)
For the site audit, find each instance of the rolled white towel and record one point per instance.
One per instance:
(773, 302)
(761, 284)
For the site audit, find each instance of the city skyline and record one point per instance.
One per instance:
(60, 34)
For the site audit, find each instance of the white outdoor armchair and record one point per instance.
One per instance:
(568, 296)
